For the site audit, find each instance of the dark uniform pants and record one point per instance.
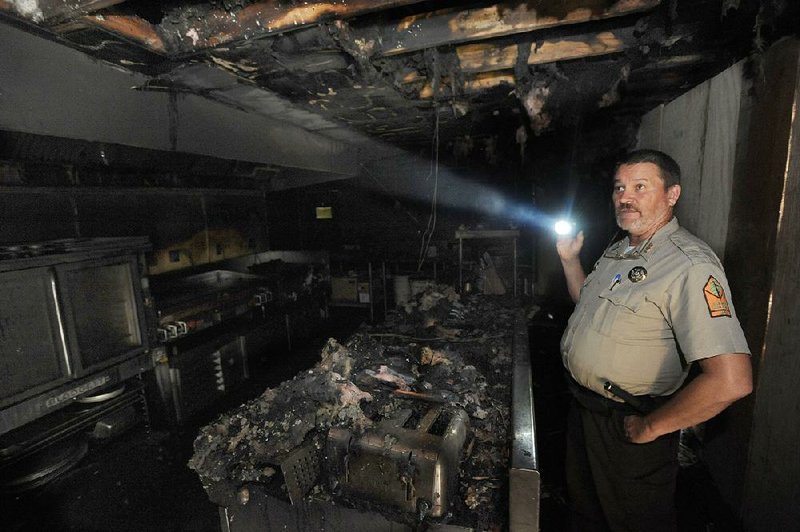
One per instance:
(613, 484)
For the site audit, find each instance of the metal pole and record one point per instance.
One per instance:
(515, 266)
(371, 306)
(383, 280)
(460, 260)
(288, 333)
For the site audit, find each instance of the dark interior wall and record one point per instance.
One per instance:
(754, 452)
(387, 221)
(186, 228)
(32, 216)
(391, 216)
(572, 174)
(366, 223)
(584, 198)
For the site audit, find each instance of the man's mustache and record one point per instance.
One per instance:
(626, 208)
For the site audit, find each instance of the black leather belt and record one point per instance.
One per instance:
(595, 402)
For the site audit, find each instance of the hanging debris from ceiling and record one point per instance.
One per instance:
(534, 101)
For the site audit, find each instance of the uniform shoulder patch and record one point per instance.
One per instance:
(716, 299)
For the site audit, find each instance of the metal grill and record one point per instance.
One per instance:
(300, 471)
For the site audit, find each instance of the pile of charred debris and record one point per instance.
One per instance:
(410, 418)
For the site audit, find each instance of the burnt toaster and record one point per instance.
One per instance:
(407, 462)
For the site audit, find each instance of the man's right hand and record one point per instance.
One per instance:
(569, 248)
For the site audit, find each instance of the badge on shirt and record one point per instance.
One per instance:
(637, 274)
(715, 298)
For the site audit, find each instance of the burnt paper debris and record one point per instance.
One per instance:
(366, 427)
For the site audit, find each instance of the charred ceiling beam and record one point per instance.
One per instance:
(185, 32)
(679, 61)
(50, 11)
(505, 18)
(262, 19)
(132, 28)
(482, 82)
(489, 57)
(484, 59)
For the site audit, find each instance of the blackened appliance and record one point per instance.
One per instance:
(73, 321)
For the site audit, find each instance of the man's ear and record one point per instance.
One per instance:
(673, 193)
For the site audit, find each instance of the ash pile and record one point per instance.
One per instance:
(410, 418)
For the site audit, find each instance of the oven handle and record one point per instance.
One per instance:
(61, 332)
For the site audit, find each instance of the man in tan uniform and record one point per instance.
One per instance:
(655, 302)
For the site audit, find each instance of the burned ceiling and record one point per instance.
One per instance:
(402, 71)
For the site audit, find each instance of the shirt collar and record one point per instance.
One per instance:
(619, 249)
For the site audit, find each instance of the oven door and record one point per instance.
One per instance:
(33, 348)
(103, 314)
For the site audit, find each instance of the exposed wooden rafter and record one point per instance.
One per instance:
(133, 28)
(487, 57)
(381, 66)
(485, 76)
(273, 17)
(679, 61)
(256, 20)
(410, 34)
(475, 84)
(505, 18)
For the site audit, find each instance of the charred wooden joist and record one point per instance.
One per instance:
(401, 70)
(434, 29)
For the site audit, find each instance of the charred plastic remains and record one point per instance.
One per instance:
(406, 423)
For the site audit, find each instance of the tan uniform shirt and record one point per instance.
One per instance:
(645, 314)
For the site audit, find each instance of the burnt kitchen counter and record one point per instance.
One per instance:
(406, 423)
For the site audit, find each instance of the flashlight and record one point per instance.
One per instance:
(564, 228)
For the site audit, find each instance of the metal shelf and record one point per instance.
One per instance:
(489, 234)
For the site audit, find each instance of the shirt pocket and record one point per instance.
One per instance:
(617, 312)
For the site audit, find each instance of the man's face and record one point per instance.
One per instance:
(641, 202)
